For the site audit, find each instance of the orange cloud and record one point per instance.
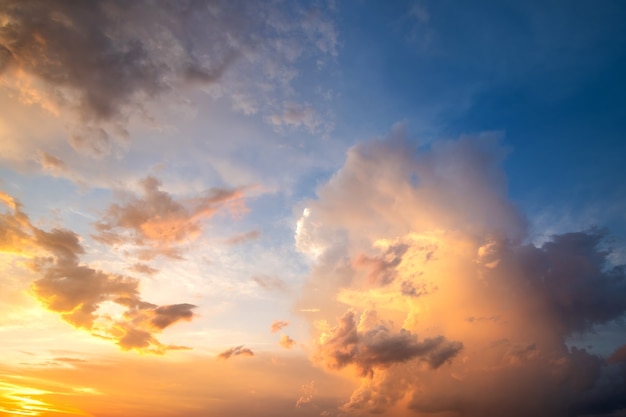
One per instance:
(287, 342)
(159, 223)
(277, 325)
(76, 291)
(424, 243)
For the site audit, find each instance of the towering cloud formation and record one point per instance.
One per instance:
(78, 292)
(449, 308)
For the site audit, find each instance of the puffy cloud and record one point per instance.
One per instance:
(158, 222)
(235, 351)
(369, 344)
(78, 293)
(278, 325)
(425, 242)
(287, 342)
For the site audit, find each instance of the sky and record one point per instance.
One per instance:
(312, 208)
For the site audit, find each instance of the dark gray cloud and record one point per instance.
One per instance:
(376, 347)
(572, 275)
(235, 351)
(104, 58)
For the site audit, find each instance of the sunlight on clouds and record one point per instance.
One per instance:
(439, 287)
(21, 400)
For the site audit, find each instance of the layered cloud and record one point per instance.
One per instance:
(429, 289)
(106, 305)
(102, 62)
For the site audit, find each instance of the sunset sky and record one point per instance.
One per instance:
(312, 208)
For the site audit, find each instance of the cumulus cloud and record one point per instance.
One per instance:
(78, 292)
(424, 242)
(278, 325)
(369, 344)
(235, 351)
(158, 223)
(287, 342)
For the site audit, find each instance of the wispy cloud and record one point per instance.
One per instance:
(278, 325)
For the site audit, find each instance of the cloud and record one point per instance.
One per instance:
(424, 241)
(235, 351)
(287, 342)
(307, 391)
(370, 345)
(143, 269)
(158, 222)
(243, 238)
(52, 163)
(77, 292)
(278, 325)
(296, 115)
(270, 283)
(102, 62)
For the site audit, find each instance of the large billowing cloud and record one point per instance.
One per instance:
(82, 295)
(103, 61)
(443, 305)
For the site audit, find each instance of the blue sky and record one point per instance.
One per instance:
(337, 207)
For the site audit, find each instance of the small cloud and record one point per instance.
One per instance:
(306, 394)
(278, 325)
(243, 238)
(270, 283)
(143, 269)
(287, 342)
(371, 344)
(296, 115)
(51, 163)
(235, 351)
